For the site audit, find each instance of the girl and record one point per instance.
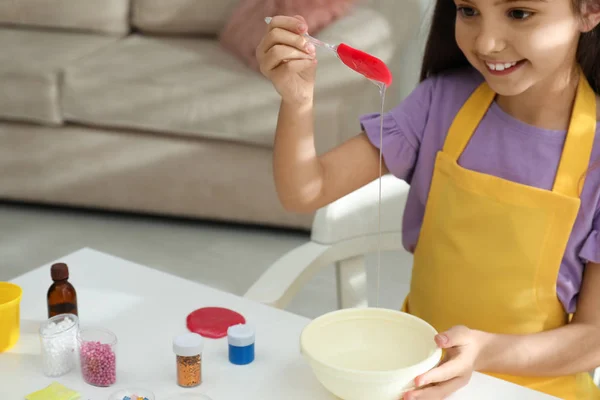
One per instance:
(503, 213)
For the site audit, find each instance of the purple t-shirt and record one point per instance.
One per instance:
(415, 130)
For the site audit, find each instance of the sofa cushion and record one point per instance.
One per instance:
(192, 87)
(107, 16)
(78, 166)
(171, 85)
(246, 27)
(181, 16)
(31, 65)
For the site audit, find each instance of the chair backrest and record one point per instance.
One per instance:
(357, 214)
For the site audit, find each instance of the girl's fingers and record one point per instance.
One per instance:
(300, 17)
(444, 372)
(297, 66)
(437, 391)
(278, 53)
(279, 36)
(292, 24)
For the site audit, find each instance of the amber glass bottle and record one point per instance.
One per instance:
(62, 298)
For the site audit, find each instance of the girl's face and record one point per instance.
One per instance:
(517, 44)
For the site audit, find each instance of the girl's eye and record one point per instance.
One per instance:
(466, 12)
(519, 14)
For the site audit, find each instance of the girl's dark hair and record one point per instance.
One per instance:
(443, 54)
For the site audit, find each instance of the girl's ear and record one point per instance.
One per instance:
(591, 15)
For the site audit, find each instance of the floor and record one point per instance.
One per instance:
(227, 257)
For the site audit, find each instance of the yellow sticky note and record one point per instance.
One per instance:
(54, 391)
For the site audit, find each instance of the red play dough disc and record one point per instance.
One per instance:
(213, 322)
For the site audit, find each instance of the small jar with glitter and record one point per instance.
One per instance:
(188, 350)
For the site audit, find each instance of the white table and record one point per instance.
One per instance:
(146, 308)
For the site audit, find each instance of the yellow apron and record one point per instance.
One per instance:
(490, 250)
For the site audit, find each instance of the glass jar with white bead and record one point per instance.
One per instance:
(58, 337)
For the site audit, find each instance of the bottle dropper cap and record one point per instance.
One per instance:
(59, 272)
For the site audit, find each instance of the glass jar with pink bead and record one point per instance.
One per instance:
(98, 356)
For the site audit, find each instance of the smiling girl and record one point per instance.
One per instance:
(498, 143)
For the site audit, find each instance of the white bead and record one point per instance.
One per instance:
(58, 352)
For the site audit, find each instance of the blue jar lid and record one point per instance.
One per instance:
(240, 335)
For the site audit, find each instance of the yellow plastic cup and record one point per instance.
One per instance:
(10, 315)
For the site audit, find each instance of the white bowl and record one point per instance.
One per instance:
(369, 353)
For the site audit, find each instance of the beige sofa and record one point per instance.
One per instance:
(132, 105)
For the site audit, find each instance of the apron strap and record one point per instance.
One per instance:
(578, 144)
(466, 121)
(577, 150)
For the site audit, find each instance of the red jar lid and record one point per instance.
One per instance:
(213, 322)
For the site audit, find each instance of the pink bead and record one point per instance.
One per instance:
(98, 364)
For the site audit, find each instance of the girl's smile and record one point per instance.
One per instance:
(501, 68)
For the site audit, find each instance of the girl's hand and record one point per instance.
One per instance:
(462, 347)
(288, 59)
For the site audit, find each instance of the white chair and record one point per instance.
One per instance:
(343, 233)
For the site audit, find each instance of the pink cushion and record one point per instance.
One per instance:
(246, 26)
